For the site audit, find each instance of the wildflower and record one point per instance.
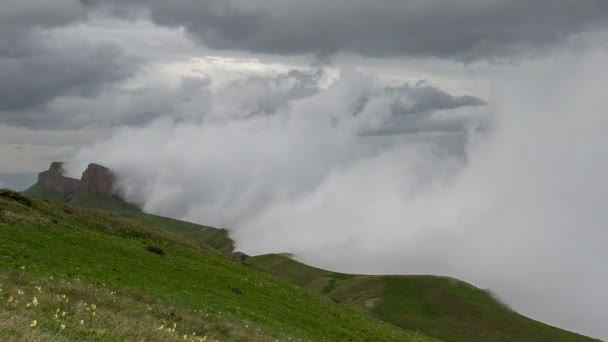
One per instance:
(28, 305)
(22, 267)
(81, 322)
(63, 313)
(39, 288)
(10, 299)
(35, 301)
(33, 323)
(185, 337)
(161, 327)
(93, 313)
(20, 292)
(93, 306)
(62, 326)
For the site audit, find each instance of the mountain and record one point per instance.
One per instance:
(441, 307)
(70, 273)
(434, 307)
(96, 189)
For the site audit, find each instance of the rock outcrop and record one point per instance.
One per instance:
(240, 256)
(54, 180)
(97, 180)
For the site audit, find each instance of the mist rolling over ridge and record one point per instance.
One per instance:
(463, 139)
(517, 208)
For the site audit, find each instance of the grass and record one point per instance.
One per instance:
(441, 307)
(90, 254)
(213, 237)
(39, 191)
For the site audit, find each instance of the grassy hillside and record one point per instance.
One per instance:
(441, 307)
(215, 238)
(76, 274)
(39, 191)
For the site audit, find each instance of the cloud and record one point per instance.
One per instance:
(41, 72)
(40, 63)
(517, 208)
(271, 111)
(463, 30)
(17, 16)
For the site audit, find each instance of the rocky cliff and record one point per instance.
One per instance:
(96, 180)
(53, 179)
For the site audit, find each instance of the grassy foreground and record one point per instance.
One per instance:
(441, 307)
(140, 278)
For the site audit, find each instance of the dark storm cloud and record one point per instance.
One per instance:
(17, 14)
(426, 98)
(463, 30)
(38, 66)
(412, 108)
(41, 72)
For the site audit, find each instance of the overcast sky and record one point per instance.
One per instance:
(461, 138)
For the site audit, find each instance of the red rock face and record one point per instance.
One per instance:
(54, 180)
(97, 180)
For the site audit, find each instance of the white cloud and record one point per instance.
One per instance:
(520, 212)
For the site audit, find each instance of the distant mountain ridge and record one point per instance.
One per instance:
(17, 181)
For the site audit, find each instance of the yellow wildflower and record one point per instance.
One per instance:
(33, 323)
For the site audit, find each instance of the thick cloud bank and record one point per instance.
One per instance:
(464, 29)
(510, 196)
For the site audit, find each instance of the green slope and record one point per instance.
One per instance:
(142, 278)
(441, 307)
(39, 191)
(213, 237)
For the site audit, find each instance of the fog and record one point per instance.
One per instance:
(352, 175)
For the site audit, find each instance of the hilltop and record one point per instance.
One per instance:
(97, 189)
(441, 307)
(77, 274)
(435, 307)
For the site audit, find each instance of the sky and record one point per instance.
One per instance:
(462, 138)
